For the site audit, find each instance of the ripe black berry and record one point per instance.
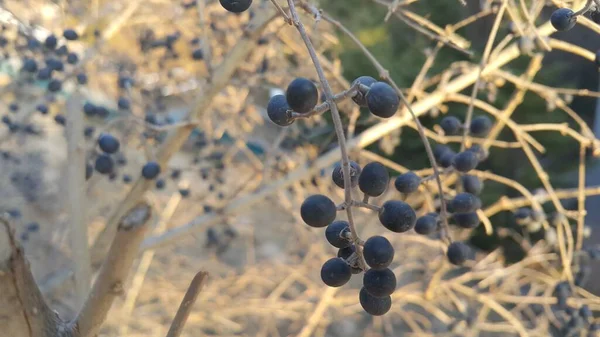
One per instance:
(104, 164)
(198, 54)
(338, 174)
(302, 95)
(407, 183)
(375, 306)
(30, 66)
(335, 272)
(426, 224)
(82, 78)
(236, 6)
(466, 220)
(397, 216)
(70, 34)
(439, 150)
(446, 159)
(563, 19)
(108, 143)
(51, 42)
(373, 179)
(471, 184)
(336, 233)
(44, 74)
(379, 283)
(60, 119)
(72, 58)
(318, 211)
(127, 178)
(123, 103)
(378, 252)
(465, 203)
(89, 109)
(277, 109)
(42, 108)
(54, 85)
(151, 170)
(360, 98)
(451, 125)
(458, 253)
(465, 161)
(480, 126)
(382, 100)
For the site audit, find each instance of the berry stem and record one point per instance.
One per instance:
(585, 9)
(324, 107)
(366, 205)
(339, 129)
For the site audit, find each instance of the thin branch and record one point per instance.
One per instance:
(185, 308)
(76, 195)
(337, 121)
(114, 270)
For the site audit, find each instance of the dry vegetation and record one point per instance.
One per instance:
(241, 221)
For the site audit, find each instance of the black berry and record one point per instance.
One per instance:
(465, 203)
(335, 272)
(397, 216)
(382, 100)
(104, 164)
(198, 54)
(375, 306)
(426, 224)
(277, 110)
(336, 233)
(407, 183)
(379, 283)
(338, 175)
(151, 170)
(108, 143)
(302, 95)
(378, 252)
(465, 161)
(458, 253)
(471, 184)
(360, 97)
(373, 179)
(70, 34)
(563, 19)
(480, 126)
(51, 42)
(236, 6)
(451, 125)
(318, 211)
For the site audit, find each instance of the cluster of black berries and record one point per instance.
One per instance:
(105, 164)
(302, 96)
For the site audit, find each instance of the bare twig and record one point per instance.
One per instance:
(337, 121)
(185, 308)
(76, 194)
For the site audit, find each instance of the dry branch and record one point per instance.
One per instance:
(186, 304)
(23, 312)
(114, 271)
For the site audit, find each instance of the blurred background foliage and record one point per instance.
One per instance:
(402, 51)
